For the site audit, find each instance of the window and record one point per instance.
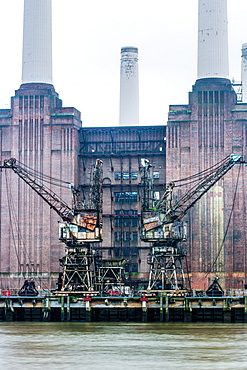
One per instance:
(126, 176)
(134, 222)
(117, 222)
(127, 236)
(157, 195)
(126, 212)
(134, 252)
(134, 236)
(126, 252)
(126, 197)
(116, 252)
(156, 175)
(126, 222)
(134, 267)
(117, 236)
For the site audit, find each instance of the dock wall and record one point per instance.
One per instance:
(124, 309)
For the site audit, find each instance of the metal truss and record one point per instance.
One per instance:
(111, 275)
(79, 269)
(166, 270)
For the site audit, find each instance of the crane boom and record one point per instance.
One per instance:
(163, 222)
(82, 223)
(81, 226)
(59, 206)
(179, 210)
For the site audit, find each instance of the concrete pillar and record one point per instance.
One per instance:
(87, 301)
(187, 310)
(62, 308)
(161, 309)
(144, 301)
(68, 308)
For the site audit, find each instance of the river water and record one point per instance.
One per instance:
(117, 346)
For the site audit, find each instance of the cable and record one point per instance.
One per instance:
(228, 224)
(11, 223)
(202, 174)
(43, 177)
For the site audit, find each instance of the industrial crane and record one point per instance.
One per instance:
(81, 226)
(162, 223)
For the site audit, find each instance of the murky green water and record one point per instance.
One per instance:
(104, 346)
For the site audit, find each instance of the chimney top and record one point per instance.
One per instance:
(129, 49)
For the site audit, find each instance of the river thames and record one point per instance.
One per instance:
(114, 346)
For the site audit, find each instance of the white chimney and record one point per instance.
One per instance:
(37, 42)
(244, 73)
(213, 39)
(129, 87)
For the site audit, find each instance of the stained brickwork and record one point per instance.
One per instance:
(199, 135)
(48, 138)
(44, 136)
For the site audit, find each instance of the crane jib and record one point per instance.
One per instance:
(162, 220)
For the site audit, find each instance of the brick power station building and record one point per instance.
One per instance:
(49, 139)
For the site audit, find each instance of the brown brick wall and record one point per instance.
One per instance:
(215, 129)
(48, 142)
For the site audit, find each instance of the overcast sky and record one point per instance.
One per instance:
(87, 39)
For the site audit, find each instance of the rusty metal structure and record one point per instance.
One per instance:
(111, 278)
(163, 225)
(81, 227)
(121, 149)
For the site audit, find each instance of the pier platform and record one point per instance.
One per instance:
(143, 308)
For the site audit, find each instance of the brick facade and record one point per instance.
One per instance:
(199, 135)
(121, 149)
(44, 136)
(48, 138)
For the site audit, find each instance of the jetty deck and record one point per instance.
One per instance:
(144, 308)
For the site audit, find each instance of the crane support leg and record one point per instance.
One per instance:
(166, 270)
(78, 269)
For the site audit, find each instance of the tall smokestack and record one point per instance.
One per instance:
(129, 87)
(37, 42)
(213, 39)
(244, 73)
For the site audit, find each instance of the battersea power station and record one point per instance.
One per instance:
(51, 146)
